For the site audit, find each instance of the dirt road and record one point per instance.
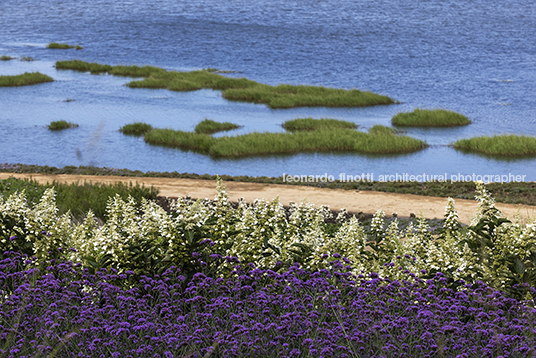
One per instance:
(367, 202)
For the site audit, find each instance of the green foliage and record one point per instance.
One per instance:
(148, 240)
(237, 89)
(137, 128)
(209, 126)
(308, 124)
(27, 78)
(509, 145)
(323, 140)
(6, 58)
(77, 198)
(59, 125)
(55, 45)
(379, 129)
(27, 59)
(288, 96)
(180, 139)
(430, 118)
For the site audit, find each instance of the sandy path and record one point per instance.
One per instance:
(367, 202)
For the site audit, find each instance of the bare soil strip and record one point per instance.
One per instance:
(367, 202)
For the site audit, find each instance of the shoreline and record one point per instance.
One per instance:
(356, 201)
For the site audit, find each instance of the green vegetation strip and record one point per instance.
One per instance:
(430, 118)
(308, 124)
(59, 125)
(55, 45)
(209, 126)
(26, 79)
(78, 198)
(6, 58)
(510, 193)
(238, 89)
(251, 144)
(136, 128)
(507, 145)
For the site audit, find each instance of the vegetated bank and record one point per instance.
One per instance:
(508, 192)
(504, 145)
(238, 89)
(59, 46)
(321, 140)
(430, 118)
(60, 125)
(77, 198)
(209, 126)
(6, 58)
(25, 79)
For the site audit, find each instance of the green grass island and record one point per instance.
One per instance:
(324, 139)
(25, 79)
(500, 145)
(309, 124)
(136, 128)
(430, 118)
(61, 125)
(234, 89)
(208, 126)
(58, 46)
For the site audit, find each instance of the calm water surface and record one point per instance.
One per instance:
(477, 58)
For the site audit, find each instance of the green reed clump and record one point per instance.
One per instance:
(321, 140)
(26, 79)
(27, 59)
(179, 139)
(209, 126)
(236, 89)
(60, 125)
(78, 198)
(77, 65)
(309, 124)
(6, 58)
(288, 96)
(430, 118)
(508, 145)
(136, 128)
(55, 45)
(379, 129)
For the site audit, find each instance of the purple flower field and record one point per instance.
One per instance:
(61, 310)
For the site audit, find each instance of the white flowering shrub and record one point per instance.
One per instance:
(148, 239)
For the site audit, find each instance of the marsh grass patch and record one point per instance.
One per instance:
(6, 58)
(500, 145)
(209, 126)
(78, 198)
(61, 125)
(59, 46)
(379, 129)
(430, 118)
(25, 79)
(252, 144)
(234, 89)
(309, 124)
(136, 128)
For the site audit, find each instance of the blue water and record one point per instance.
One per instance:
(477, 58)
